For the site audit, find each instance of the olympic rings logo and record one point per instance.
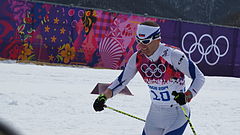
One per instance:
(212, 47)
(153, 70)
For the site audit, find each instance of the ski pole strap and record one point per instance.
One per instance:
(124, 113)
(188, 119)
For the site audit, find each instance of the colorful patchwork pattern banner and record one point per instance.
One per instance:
(96, 38)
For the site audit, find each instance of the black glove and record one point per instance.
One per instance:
(98, 104)
(180, 97)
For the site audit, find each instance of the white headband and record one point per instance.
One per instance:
(144, 31)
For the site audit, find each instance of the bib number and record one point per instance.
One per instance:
(161, 95)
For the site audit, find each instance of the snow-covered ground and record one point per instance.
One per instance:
(51, 100)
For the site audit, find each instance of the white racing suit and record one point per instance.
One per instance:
(164, 73)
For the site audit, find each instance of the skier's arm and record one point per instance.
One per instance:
(181, 63)
(123, 79)
(127, 74)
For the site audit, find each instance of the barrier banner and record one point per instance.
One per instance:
(70, 35)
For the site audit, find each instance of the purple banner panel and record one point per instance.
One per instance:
(76, 36)
(213, 48)
(170, 32)
(236, 58)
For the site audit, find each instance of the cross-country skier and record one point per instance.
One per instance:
(163, 68)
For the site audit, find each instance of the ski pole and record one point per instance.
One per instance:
(124, 113)
(188, 119)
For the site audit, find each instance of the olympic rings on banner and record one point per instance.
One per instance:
(198, 45)
(153, 70)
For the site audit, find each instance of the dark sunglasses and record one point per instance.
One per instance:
(146, 41)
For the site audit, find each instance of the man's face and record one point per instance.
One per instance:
(148, 38)
(150, 48)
